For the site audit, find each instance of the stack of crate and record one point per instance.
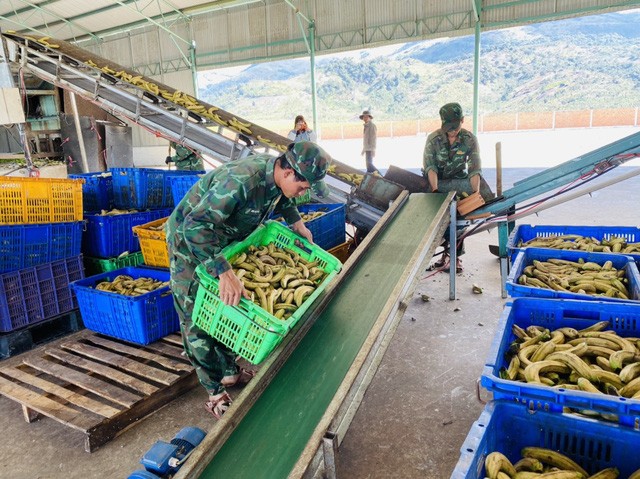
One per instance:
(40, 236)
(563, 367)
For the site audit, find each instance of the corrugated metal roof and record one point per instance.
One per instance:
(162, 32)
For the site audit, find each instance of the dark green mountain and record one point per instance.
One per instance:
(580, 63)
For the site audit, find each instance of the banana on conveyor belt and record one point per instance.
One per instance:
(278, 279)
(592, 359)
(127, 286)
(351, 178)
(615, 244)
(576, 277)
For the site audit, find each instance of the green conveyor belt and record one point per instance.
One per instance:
(271, 437)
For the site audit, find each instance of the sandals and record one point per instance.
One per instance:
(443, 264)
(219, 405)
(240, 379)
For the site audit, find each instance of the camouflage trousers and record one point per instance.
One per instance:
(210, 358)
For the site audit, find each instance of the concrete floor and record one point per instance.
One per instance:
(418, 409)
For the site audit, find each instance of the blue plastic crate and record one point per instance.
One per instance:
(97, 191)
(524, 233)
(110, 236)
(507, 428)
(552, 314)
(329, 229)
(139, 319)
(528, 255)
(22, 246)
(142, 188)
(31, 295)
(180, 185)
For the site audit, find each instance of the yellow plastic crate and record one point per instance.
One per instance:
(342, 251)
(39, 200)
(153, 243)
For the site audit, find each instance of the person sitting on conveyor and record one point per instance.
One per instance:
(185, 159)
(223, 208)
(451, 152)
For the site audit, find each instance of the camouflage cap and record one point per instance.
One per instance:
(451, 116)
(312, 162)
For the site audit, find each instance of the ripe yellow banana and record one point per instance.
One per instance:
(496, 462)
(554, 458)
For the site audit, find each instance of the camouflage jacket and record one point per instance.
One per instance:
(223, 207)
(185, 159)
(460, 160)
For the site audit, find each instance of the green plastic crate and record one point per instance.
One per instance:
(247, 329)
(95, 266)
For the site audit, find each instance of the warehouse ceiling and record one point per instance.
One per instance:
(161, 36)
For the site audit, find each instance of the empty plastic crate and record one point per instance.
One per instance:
(524, 233)
(97, 191)
(507, 428)
(552, 314)
(181, 184)
(110, 236)
(142, 188)
(528, 255)
(140, 319)
(31, 295)
(247, 329)
(22, 246)
(39, 200)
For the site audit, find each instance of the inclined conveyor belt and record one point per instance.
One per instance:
(274, 432)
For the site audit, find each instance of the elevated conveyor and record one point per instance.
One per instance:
(166, 111)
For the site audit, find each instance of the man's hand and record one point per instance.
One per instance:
(302, 230)
(231, 288)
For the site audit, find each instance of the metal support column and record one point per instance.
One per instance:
(453, 249)
(503, 237)
(312, 56)
(330, 454)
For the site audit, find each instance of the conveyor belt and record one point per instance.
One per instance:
(273, 434)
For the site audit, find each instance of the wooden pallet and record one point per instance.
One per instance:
(96, 384)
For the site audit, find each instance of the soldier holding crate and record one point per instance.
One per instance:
(223, 207)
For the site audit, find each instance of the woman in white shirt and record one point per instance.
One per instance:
(301, 132)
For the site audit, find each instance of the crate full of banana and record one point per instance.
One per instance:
(508, 441)
(131, 303)
(571, 355)
(282, 273)
(593, 239)
(548, 273)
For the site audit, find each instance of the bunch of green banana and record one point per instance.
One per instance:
(353, 178)
(279, 279)
(312, 215)
(614, 244)
(592, 359)
(127, 286)
(576, 277)
(541, 463)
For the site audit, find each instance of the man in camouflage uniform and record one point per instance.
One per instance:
(451, 152)
(224, 207)
(185, 159)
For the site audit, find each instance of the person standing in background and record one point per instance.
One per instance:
(369, 140)
(185, 159)
(301, 132)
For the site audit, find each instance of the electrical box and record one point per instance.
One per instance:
(10, 107)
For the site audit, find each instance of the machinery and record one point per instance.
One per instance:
(164, 459)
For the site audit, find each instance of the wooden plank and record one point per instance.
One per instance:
(115, 426)
(168, 349)
(132, 351)
(80, 400)
(95, 385)
(123, 362)
(64, 414)
(106, 371)
(174, 339)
